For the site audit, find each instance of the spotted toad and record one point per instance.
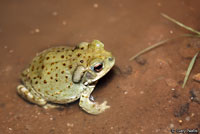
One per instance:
(62, 75)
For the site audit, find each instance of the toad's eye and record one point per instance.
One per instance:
(98, 67)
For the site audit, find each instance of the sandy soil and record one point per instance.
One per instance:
(145, 95)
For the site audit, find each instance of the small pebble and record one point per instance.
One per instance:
(141, 92)
(11, 51)
(180, 121)
(171, 83)
(125, 92)
(171, 32)
(70, 124)
(55, 13)
(171, 125)
(196, 77)
(141, 61)
(10, 129)
(159, 4)
(64, 22)
(195, 95)
(157, 130)
(187, 118)
(5, 47)
(95, 5)
(51, 118)
(193, 114)
(37, 30)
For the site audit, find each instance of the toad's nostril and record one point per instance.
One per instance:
(110, 59)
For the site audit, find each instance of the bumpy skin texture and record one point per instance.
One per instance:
(62, 75)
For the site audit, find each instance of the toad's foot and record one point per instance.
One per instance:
(49, 106)
(92, 107)
(30, 95)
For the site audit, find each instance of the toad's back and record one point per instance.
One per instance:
(50, 74)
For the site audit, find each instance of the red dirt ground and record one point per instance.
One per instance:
(145, 95)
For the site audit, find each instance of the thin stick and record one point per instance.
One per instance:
(180, 24)
(189, 69)
(159, 44)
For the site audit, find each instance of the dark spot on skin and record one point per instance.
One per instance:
(76, 47)
(56, 67)
(34, 77)
(82, 48)
(37, 68)
(70, 66)
(70, 55)
(66, 77)
(81, 61)
(42, 67)
(40, 62)
(73, 59)
(47, 58)
(78, 55)
(64, 64)
(62, 56)
(51, 77)
(52, 63)
(40, 77)
(56, 80)
(36, 82)
(45, 81)
(46, 92)
(54, 56)
(56, 75)
(39, 89)
(48, 73)
(62, 72)
(68, 86)
(32, 68)
(58, 50)
(63, 48)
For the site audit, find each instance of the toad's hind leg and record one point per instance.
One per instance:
(30, 95)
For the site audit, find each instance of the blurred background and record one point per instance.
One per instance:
(145, 95)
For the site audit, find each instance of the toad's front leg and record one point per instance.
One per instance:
(91, 107)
